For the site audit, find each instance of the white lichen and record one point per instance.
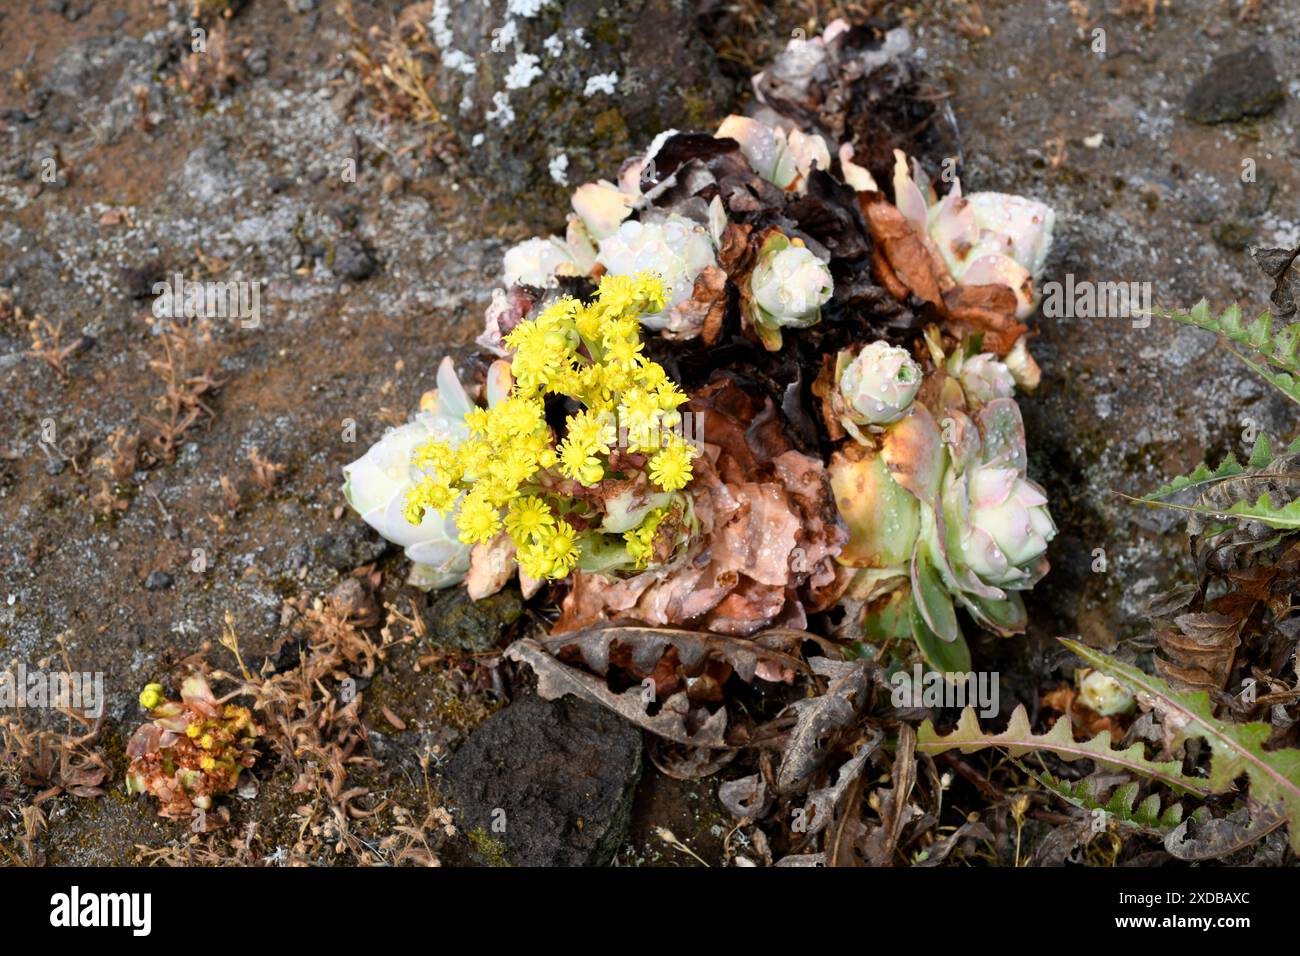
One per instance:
(559, 169)
(601, 83)
(502, 113)
(523, 71)
(526, 8)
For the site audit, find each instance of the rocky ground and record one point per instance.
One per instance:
(127, 542)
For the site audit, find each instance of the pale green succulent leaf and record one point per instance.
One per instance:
(932, 598)
(948, 657)
(1005, 616)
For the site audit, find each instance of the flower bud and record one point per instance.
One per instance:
(791, 285)
(1103, 694)
(984, 378)
(880, 383)
(151, 696)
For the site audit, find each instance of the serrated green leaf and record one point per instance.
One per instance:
(1284, 382)
(1235, 749)
(1019, 739)
(1147, 817)
(1201, 475)
(1282, 349)
(1282, 517)
(1261, 454)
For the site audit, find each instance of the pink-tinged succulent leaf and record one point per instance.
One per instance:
(883, 518)
(907, 194)
(991, 487)
(1004, 434)
(947, 657)
(144, 741)
(914, 454)
(955, 232)
(602, 206)
(963, 439)
(197, 694)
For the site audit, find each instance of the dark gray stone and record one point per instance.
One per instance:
(515, 121)
(350, 546)
(157, 581)
(1237, 85)
(454, 620)
(557, 776)
(1235, 235)
(352, 260)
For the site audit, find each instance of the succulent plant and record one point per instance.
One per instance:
(191, 749)
(782, 158)
(671, 247)
(984, 238)
(874, 387)
(377, 482)
(787, 289)
(942, 516)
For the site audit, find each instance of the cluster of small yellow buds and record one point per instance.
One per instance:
(507, 475)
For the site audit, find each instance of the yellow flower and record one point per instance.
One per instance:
(478, 521)
(562, 548)
(593, 431)
(504, 474)
(476, 421)
(527, 517)
(670, 468)
(579, 462)
(534, 560)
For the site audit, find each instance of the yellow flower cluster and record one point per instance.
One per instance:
(510, 466)
(641, 540)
